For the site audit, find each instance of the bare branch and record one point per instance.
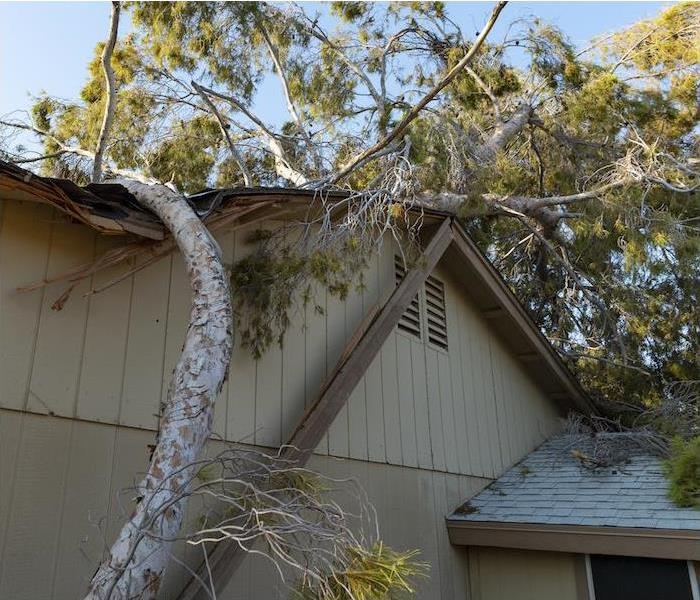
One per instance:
(397, 131)
(24, 161)
(111, 94)
(274, 54)
(247, 180)
(282, 165)
(487, 90)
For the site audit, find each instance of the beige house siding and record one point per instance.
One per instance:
(60, 499)
(497, 574)
(471, 410)
(425, 428)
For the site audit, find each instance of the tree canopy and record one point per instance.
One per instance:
(575, 170)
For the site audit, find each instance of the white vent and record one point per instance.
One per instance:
(435, 312)
(410, 321)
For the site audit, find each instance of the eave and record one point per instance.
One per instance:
(678, 544)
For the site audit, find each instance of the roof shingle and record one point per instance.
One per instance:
(551, 486)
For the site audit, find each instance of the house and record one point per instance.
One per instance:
(427, 386)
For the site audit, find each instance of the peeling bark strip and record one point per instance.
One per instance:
(141, 553)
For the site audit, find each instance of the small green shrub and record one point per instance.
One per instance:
(683, 472)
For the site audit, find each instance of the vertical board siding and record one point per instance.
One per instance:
(145, 351)
(240, 420)
(407, 407)
(25, 239)
(471, 409)
(102, 371)
(60, 513)
(376, 446)
(80, 543)
(61, 332)
(11, 424)
(338, 433)
(437, 432)
(531, 575)
(35, 508)
(357, 402)
(315, 349)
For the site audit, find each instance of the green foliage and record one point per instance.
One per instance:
(553, 57)
(277, 278)
(683, 472)
(636, 247)
(376, 573)
(187, 156)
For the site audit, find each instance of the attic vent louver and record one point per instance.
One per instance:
(435, 312)
(410, 321)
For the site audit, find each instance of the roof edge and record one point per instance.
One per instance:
(677, 544)
(575, 397)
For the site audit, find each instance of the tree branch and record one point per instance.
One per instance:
(282, 166)
(487, 90)
(274, 54)
(502, 134)
(397, 131)
(314, 30)
(247, 180)
(111, 94)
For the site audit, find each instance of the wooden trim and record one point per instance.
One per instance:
(323, 412)
(590, 586)
(678, 544)
(572, 394)
(581, 577)
(364, 345)
(693, 577)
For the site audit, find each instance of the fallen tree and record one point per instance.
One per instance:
(563, 170)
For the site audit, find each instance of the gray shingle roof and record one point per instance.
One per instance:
(551, 486)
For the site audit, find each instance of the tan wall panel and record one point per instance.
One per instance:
(145, 351)
(102, 372)
(61, 336)
(25, 240)
(82, 508)
(70, 484)
(338, 432)
(11, 424)
(30, 547)
(376, 445)
(240, 420)
(315, 350)
(470, 410)
(497, 574)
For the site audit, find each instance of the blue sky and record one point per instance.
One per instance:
(45, 46)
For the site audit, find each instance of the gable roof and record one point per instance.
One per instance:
(551, 500)
(110, 208)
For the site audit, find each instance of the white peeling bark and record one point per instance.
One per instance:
(502, 134)
(110, 94)
(141, 553)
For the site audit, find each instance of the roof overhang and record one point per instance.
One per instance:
(511, 322)
(679, 544)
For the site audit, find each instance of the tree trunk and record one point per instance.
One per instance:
(140, 555)
(110, 94)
